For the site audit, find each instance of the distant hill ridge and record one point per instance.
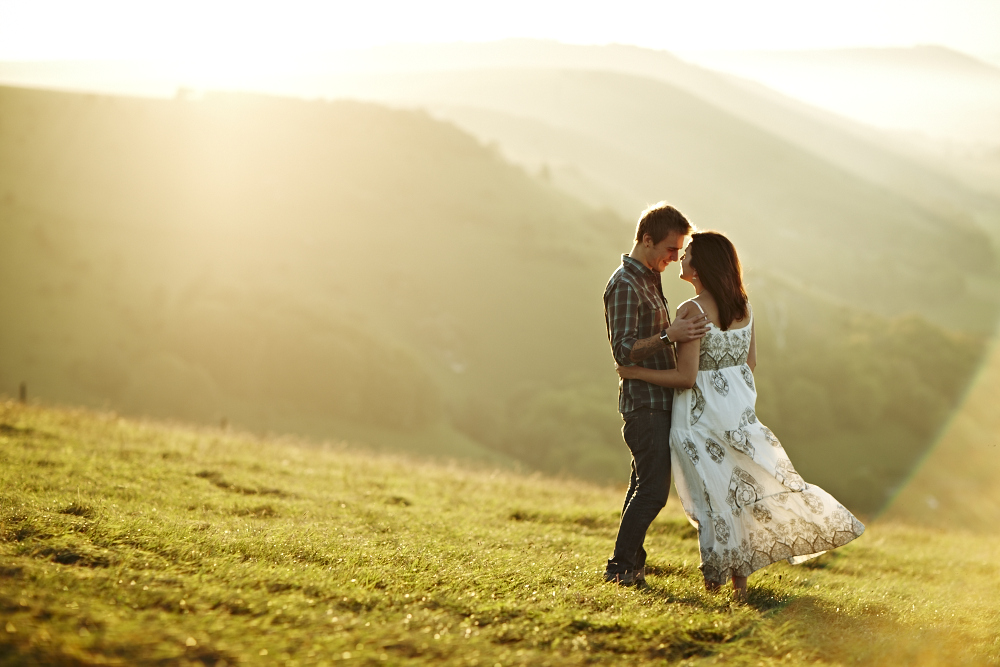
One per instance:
(349, 271)
(618, 140)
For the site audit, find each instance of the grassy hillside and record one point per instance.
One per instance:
(342, 270)
(125, 542)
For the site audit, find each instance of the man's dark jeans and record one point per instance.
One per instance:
(647, 434)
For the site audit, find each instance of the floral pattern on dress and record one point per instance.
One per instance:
(720, 383)
(721, 529)
(785, 518)
(697, 405)
(715, 450)
(761, 513)
(740, 441)
(743, 490)
(813, 502)
(785, 473)
(724, 349)
(691, 450)
(793, 540)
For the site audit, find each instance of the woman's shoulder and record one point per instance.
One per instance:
(688, 307)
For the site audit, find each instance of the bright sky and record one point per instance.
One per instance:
(196, 30)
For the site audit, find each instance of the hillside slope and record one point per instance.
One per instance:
(344, 270)
(624, 141)
(134, 543)
(276, 262)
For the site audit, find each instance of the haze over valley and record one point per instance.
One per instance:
(346, 270)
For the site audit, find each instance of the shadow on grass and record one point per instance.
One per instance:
(11, 431)
(835, 636)
(18, 650)
(603, 522)
(218, 480)
(788, 623)
(875, 636)
(823, 562)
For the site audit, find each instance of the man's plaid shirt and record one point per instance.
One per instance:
(635, 308)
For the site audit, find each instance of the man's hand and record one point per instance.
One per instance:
(685, 330)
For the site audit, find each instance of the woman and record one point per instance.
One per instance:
(734, 479)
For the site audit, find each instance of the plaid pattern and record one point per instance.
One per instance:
(635, 308)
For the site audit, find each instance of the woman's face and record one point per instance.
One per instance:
(687, 271)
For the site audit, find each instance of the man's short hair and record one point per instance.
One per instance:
(659, 220)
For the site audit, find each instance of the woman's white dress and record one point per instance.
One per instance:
(737, 485)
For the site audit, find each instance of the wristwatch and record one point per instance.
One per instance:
(665, 338)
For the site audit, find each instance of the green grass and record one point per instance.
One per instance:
(123, 542)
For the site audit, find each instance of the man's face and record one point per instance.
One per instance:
(664, 252)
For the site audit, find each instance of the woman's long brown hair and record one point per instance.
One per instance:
(714, 257)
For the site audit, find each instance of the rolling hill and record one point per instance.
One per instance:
(928, 90)
(571, 113)
(288, 266)
(348, 271)
(946, 179)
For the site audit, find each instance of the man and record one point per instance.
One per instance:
(640, 332)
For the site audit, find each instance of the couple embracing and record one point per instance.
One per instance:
(687, 398)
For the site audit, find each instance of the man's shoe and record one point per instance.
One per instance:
(640, 576)
(626, 578)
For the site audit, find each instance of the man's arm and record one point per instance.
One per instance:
(621, 308)
(690, 324)
(682, 377)
(687, 327)
(621, 313)
(646, 347)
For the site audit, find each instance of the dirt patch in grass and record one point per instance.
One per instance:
(12, 431)
(596, 522)
(257, 511)
(75, 553)
(20, 527)
(218, 480)
(10, 571)
(78, 509)
(679, 528)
